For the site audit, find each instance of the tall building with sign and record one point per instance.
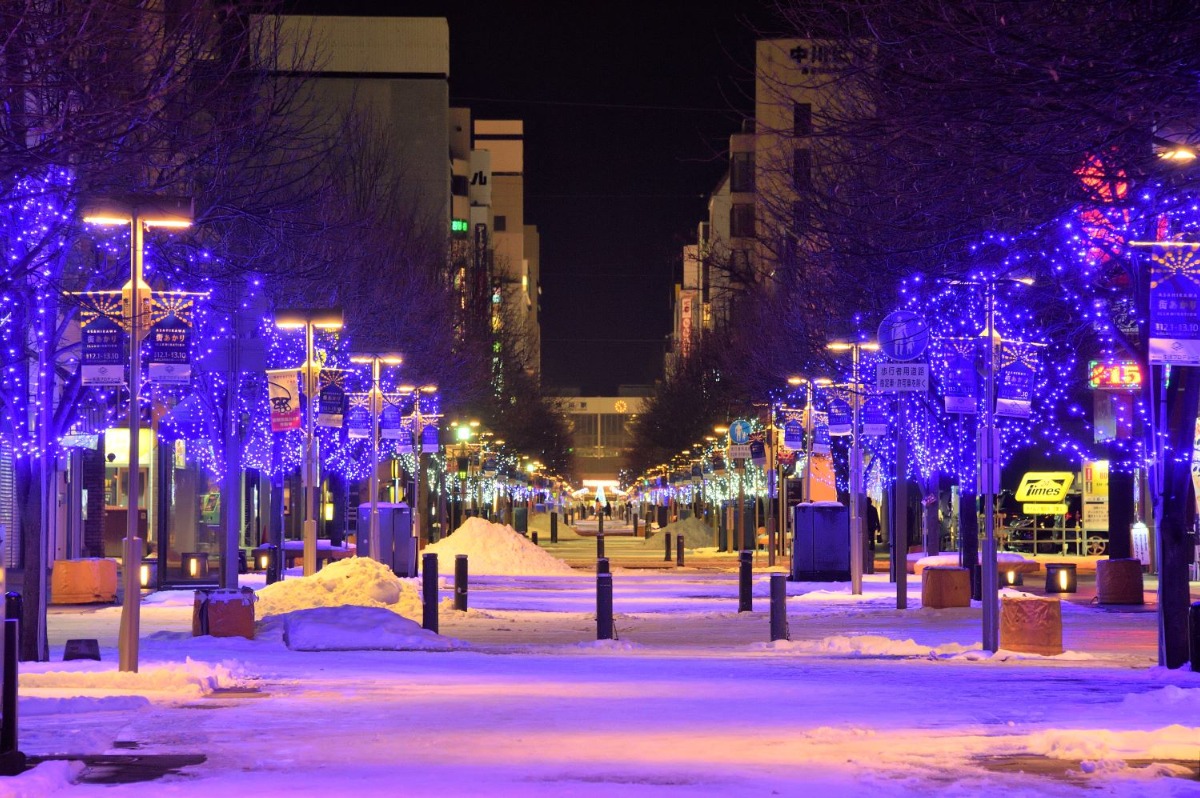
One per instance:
(601, 434)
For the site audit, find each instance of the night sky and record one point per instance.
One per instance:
(628, 109)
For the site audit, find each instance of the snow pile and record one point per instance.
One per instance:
(495, 550)
(1169, 742)
(696, 534)
(951, 559)
(867, 646)
(357, 628)
(177, 678)
(357, 581)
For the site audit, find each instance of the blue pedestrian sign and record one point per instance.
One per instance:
(739, 431)
(903, 335)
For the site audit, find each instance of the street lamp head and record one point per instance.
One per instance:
(299, 318)
(822, 382)
(795, 381)
(151, 211)
(720, 429)
(429, 389)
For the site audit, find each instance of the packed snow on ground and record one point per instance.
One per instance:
(495, 550)
(79, 677)
(357, 628)
(696, 534)
(951, 559)
(356, 581)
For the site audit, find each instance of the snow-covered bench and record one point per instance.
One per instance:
(1006, 561)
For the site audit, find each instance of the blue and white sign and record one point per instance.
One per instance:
(758, 453)
(960, 382)
(1015, 372)
(875, 417)
(841, 418)
(739, 432)
(903, 335)
(1175, 305)
(793, 435)
(820, 433)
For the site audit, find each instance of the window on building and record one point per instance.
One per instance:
(802, 169)
(801, 119)
(741, 171)
(500, 224)
(741, 220)
(800, 216)
(458, 185)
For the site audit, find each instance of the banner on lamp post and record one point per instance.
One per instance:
(103, 359)
(960, 379)
(391, 424)
(1175, 305)
(875, 417)
(821, 443)
(283, 388)
(169, 362)
(1014, 386)
(358, 416)
(793, 434)
(331, 398)
(841, 417)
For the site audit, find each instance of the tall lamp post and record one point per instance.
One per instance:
(857, 533)
(989, 462)
(418, 429)
(139, 213)
(376, 361)
(309, 320)
(809, 425)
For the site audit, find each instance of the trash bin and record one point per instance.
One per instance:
(820, 542)
(224, 613)
(521, 519)
(396, 543)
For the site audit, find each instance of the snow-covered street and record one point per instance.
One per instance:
(518, 698)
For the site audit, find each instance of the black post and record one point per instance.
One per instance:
(667, 545)
(635, 525)
(679, 551)
(745, 575)
(779, 624)
(12, 761)
(554, 526)
(600, 535)
(604, 607)
(602, 566)
(429, 592)
(460, 582)
(533, 536)
(1194, 627)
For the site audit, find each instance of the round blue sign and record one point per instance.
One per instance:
(739, 432)
(903, 335)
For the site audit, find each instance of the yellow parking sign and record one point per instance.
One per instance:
(1045, 487)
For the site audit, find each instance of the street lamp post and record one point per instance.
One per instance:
(376, 361)
(310, 319)
(139, 213)
(857, 533)
(416, 392)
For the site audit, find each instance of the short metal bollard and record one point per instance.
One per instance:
(429, 592)
(460, 582)
(600, 537)
(666, 547)
(533, 537)
(604, 607)
(779, 622)
(1194, 636)
(602, 566)
(745, 576)
(12, 761)
(635, 525)
(554, 527)
(679, 551)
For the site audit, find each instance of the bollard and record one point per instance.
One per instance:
(667, 547)
(429, 592)
(604, 607)
(600, 536)
(1194, 637)
(533, 537)
(635, 525)
(554, 527)
(779, 623)
(12, 761)
(679, 551)
(460, 582)
(602, 566)
(745, 574)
